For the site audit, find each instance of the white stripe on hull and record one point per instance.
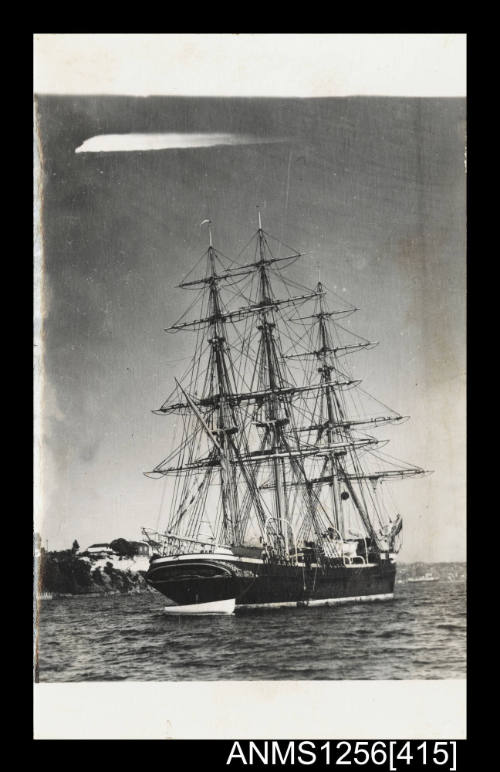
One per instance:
(214, 607)
(319, 602)
(158, 562)
(203, 556)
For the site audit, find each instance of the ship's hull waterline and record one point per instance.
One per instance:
(203, 584)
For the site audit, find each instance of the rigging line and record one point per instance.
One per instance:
(289, 335)
(297, 341)
(185, 505)
(248, 326)
(305, 327)
(246, 350)
(235, 281)
(362, 489)
(284, 364)
(390, 409)
(349, 332)
(276, 269)
(204, 253)
(196, 299)
(200, 348)
(177, 449)
(252, 494)
(357, 408)
(344, 300)
(327, 308)
(193, 526)
(286, 332)
(161, 505)
(309, 493)
(375, 505)
(194, 359)
(238, 376)
(183, 488)
(237, 291)
(392, 499)
(244, 340)
(231, 259)
(193, 368)
(385, 458)
(253, 236)
(225, 309)
(248, 365)
(362, 510)
(201, 515)
(278, 241)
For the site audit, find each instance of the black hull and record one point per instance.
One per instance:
(253, 584)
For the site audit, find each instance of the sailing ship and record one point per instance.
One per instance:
(276, 489)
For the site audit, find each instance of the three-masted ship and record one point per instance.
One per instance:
(276, 487)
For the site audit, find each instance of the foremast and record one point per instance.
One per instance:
(226, 421)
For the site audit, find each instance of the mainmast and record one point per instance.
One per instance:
(274, 419)
(279, 420)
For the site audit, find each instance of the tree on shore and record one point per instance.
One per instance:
(122, 547)
(75, 547)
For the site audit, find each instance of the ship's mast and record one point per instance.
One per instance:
(226, 420)
(279, 415)
(326, 370)
(275, 420)
(338, 426)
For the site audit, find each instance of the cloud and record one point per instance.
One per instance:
(111, 143)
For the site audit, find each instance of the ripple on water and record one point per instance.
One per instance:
(130, 638)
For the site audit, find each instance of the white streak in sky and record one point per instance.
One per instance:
(111, 143)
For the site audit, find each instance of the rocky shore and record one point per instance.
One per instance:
(64, 573)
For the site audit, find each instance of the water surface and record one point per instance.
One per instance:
(420, 634)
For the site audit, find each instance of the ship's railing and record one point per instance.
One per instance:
(338, 549)
(349, 561)
(166, 544)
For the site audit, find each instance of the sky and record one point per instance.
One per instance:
(371, 188)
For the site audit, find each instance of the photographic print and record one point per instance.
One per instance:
(250, 437)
